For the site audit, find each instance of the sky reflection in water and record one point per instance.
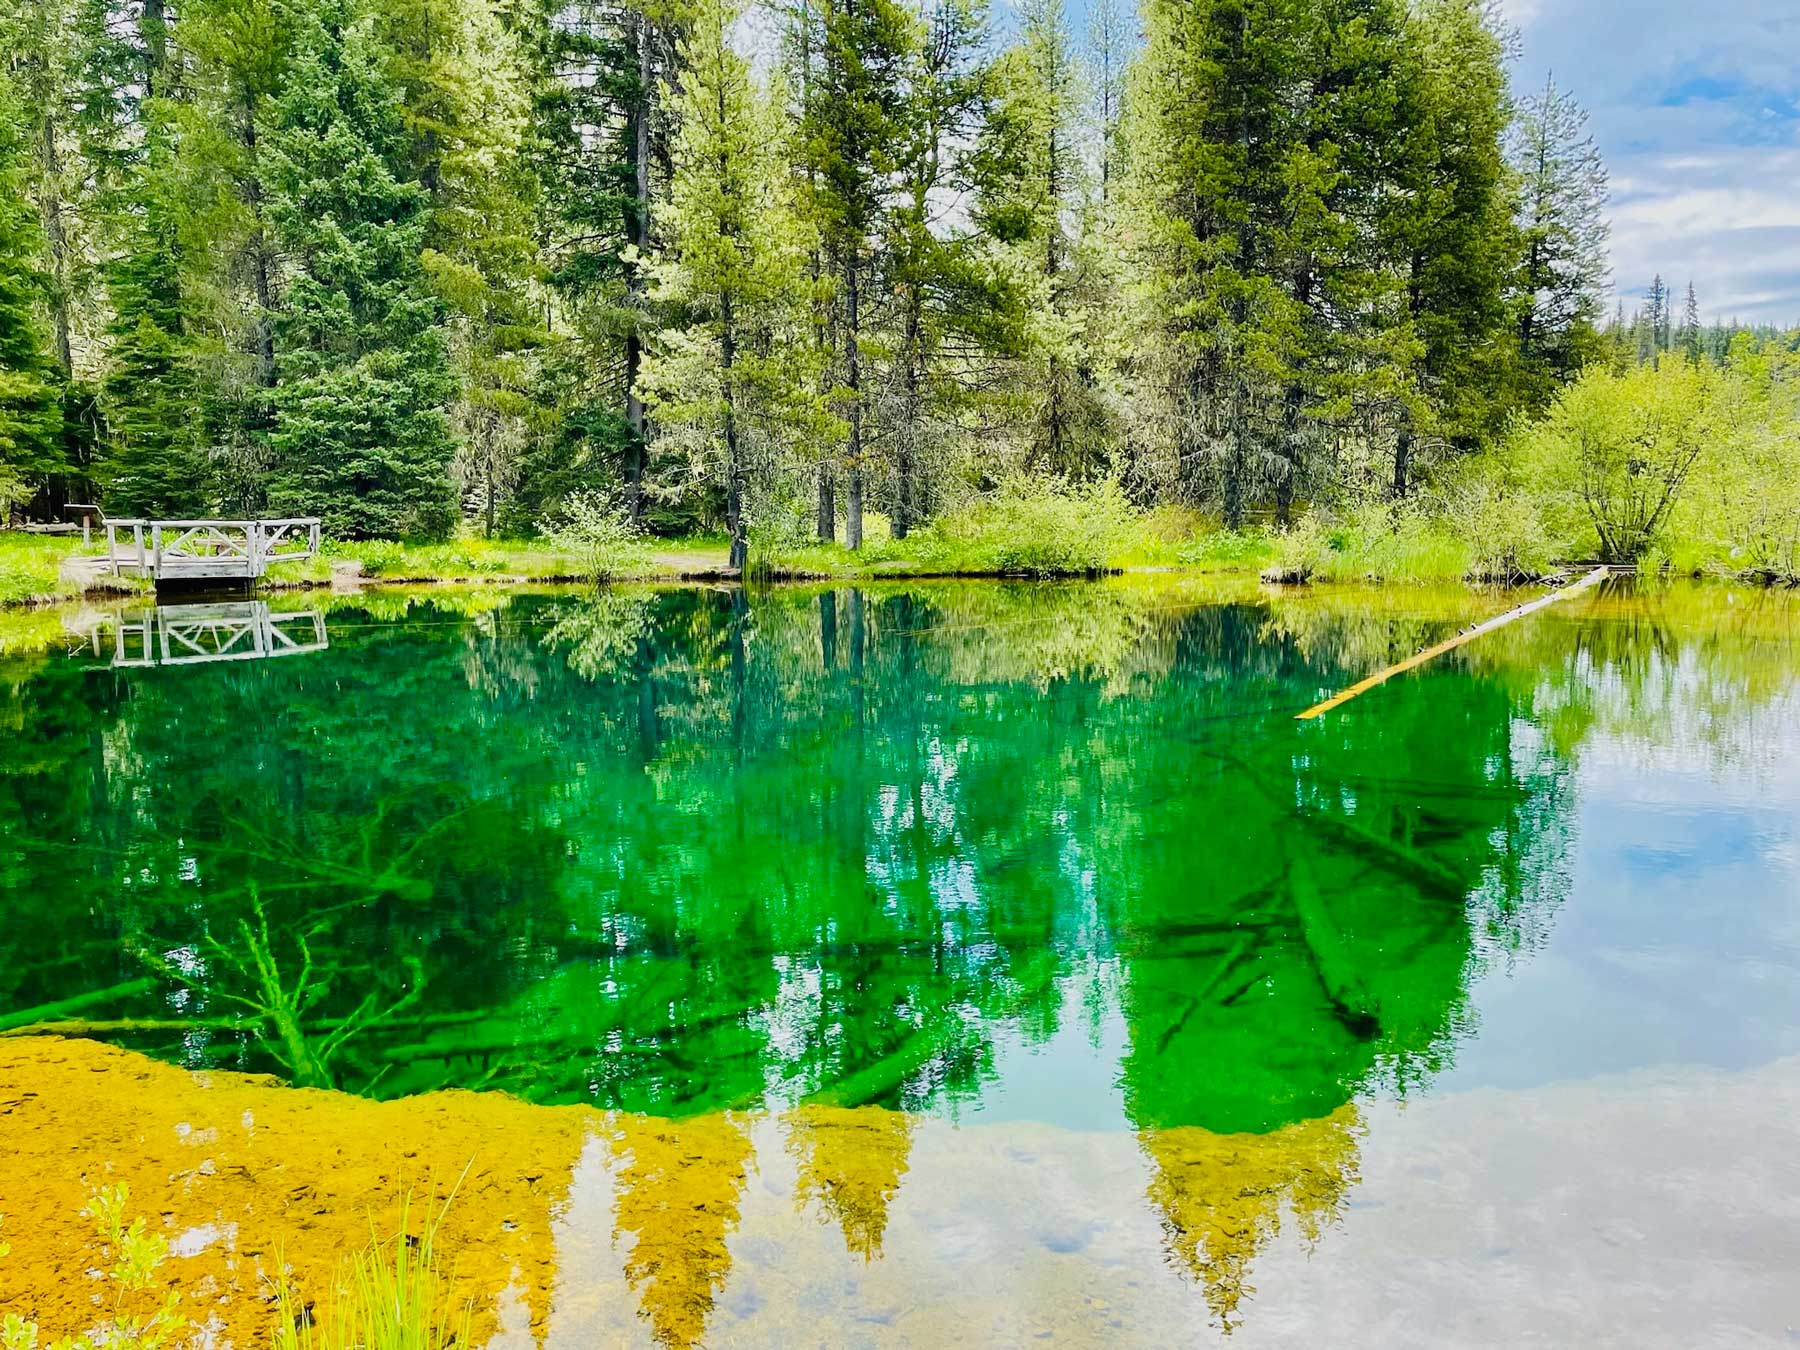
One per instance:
(1053, 855)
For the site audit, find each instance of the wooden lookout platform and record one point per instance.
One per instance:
(207, 550)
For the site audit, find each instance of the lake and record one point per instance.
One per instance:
(922, 963)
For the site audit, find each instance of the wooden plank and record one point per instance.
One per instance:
(176, 567)
(1461, 639)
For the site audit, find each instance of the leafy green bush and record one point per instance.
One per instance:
(600, 539)
(379, 557)
(1372, 541)
(1226, 549)
(1040, 528)
(1609, 462)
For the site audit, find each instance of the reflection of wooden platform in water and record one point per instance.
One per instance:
(179, 635)
(208, 550)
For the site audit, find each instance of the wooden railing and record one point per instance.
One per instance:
(223, 549)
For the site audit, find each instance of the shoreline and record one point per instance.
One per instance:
(351, 579)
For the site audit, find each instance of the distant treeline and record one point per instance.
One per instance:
(1653, 330)
(403, 263)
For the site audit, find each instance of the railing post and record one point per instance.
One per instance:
(156, 547)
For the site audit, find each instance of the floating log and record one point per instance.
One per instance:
(1432, 653)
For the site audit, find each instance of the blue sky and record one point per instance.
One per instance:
(1696, 106)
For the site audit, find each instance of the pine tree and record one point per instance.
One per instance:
(940, 289)
(1111, 40)
(802, 44)
(1453, 239)
(1034, 202)
(363, 437)
(1659, 317)
(1210, 137)
(156, 461)
(850, 126)
(235, 55)
(463, 77)
(30, 419)
(1691, 341)
(79, 86)
(598, 148)
(1562, 204)
(736, 250)
(155, 456)
(1337, 344)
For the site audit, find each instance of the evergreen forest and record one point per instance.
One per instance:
(837, 272)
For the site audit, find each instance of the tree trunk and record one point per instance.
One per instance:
(734, 463)
(264, 337)
(853, 488)
(57, 235)
(858, 643)
(1054, 433)
(1293, 405)
(638, 231)
(828, 628)
(490, 486)
(1402, 458)
(1239, 432)
(153, 26)
(827, 503)
(906, 457)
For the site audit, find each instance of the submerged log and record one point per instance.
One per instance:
(1336, 967)
(48, 1012)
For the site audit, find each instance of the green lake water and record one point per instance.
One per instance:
(1048, 853)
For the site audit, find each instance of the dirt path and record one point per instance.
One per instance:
(693, 561)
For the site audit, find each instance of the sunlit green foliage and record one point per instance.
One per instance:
(602, 541)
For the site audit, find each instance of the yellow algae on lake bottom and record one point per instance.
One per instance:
(253, 1182)
(242, 1176)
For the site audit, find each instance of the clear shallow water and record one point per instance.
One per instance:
(1058, 853)
(1055, 863)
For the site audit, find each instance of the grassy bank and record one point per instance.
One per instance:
(474, 560)
(31, 567)
(1026, 530)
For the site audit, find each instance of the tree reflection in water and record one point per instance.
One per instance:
(683, 853)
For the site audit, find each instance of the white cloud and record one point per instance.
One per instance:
(1697, 110)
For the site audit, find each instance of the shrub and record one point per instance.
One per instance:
(1372, 541)
(600, 539)
(1619, 449)
(1040, 528)
(379, 557)
(1227, 549)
